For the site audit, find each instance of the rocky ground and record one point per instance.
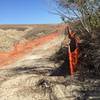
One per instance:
(28, 76)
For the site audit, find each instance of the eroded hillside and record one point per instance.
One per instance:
(25, 66)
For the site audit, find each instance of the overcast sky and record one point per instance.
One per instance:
(26, 12)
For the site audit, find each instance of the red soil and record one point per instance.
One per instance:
(23, 48)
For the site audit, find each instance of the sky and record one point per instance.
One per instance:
(26, 12)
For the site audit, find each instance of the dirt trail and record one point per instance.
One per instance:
(23, 48)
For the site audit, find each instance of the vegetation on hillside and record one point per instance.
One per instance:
(84, 17)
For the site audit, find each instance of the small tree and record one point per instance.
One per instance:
(85, 11)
